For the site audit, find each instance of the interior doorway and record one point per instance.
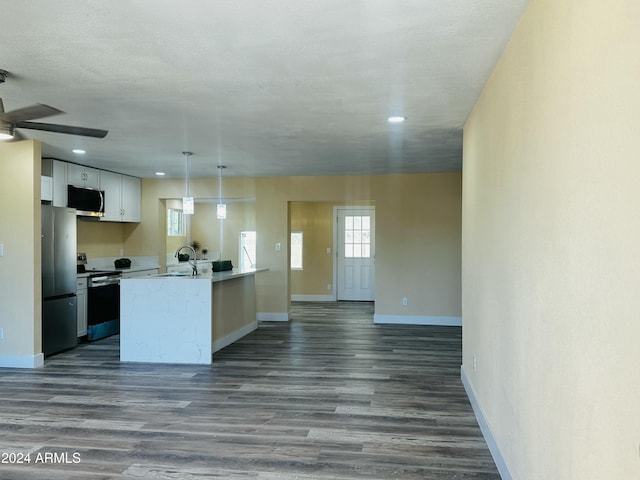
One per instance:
(354, 246)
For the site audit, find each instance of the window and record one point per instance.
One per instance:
(247, 249)
(357, 236)
(296, 250)
(175, 225)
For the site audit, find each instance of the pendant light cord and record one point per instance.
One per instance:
(186, 166)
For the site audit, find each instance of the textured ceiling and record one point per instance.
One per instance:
(267, 87)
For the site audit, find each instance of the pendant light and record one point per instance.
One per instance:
(187, 200)
(221, 211)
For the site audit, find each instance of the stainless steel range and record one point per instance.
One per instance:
(103, 304)
(103, 300)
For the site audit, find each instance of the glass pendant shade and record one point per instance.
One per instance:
(221, 211)
(187, 205)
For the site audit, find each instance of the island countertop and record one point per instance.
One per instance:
(178, 318)
(214, 277)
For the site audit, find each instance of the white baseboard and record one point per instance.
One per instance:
(22, 361)
(484, 427)
(313, 298)
(272, 316)
(233, 336)
(418, 320)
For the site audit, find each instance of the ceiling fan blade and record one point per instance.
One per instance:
(28, 113)
(68, 129)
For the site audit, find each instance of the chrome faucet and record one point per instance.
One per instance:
(194, 265)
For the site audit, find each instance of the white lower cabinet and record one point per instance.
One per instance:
(81, 293)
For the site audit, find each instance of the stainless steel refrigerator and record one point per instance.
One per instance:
(59, 307)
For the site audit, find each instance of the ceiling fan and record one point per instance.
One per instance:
(21, 117)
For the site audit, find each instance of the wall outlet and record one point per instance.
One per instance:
(475, 363)
(328, 286)
(328, 250)
(405, 301)
(1, 333)
(278, 247)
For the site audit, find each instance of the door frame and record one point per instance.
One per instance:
(336, 208)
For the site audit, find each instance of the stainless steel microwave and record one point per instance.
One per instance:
(87, 201)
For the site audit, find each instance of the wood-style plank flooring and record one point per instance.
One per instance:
(328, 395)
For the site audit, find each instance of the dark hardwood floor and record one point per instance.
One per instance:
(327, 395)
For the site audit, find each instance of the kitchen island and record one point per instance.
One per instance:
(177, 318)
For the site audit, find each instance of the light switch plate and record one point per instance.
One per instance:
(1, 250)
(278, 247)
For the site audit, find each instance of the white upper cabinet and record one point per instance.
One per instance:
(121, 192)
(82, 176)
(110, 183)
(121, 197)
(46, 188)
(59, 190)
(131, 199)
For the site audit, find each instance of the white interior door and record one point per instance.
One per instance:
(355, 253)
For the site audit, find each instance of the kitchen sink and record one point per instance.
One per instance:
(175, 274)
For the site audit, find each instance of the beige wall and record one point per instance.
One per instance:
(418, 220)
(223, 235)
(315, 220)
(20, 266)
(100, 239)
(233, 306)
(550, 243)
(417, 237)
(150, 236)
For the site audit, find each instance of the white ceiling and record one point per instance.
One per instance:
(267, 87)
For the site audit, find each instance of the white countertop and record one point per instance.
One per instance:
(136, 268)
(211, 276)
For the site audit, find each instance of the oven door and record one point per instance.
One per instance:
(103, 310)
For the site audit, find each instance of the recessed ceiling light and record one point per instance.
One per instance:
(396, 119)
(160, 174)
(78, 151)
